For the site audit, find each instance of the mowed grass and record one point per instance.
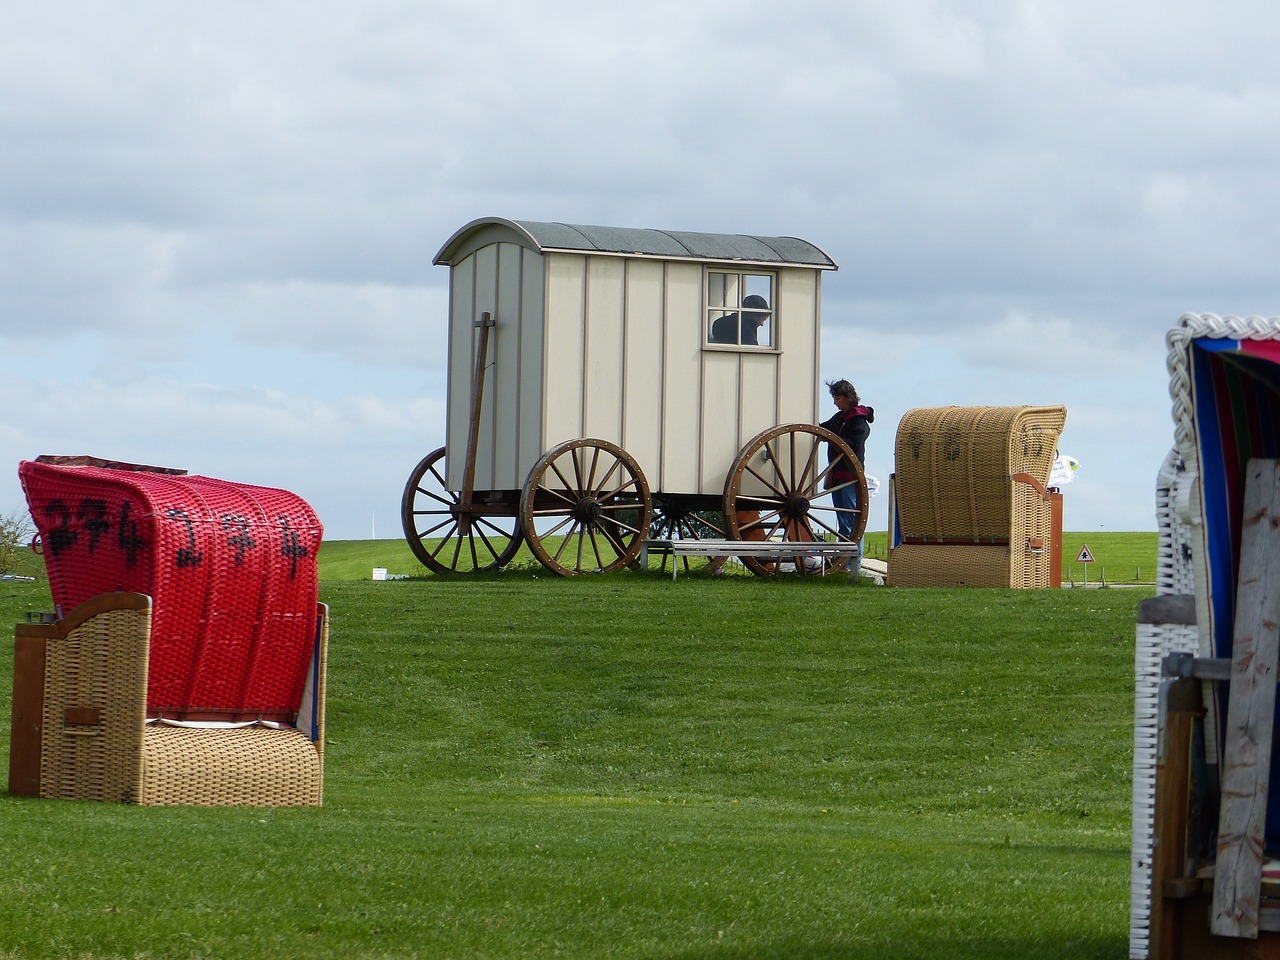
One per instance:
(1118, 557)
(519, 765)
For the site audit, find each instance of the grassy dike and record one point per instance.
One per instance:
(520, 765)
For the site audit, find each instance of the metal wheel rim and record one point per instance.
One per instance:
(460, 542)
(583, 493)
(794, 470)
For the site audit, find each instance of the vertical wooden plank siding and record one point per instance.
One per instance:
(486, 301)
(564, 356)
(1251, 708)
(603, 362)
(503, 380)
(819, 389)
(721, 417)
(798, 388)
(532, 370)
(759, 395)
(643, 385)
(612, 347)
(461, 309)
(682, 422)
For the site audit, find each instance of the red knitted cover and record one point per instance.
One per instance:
(230, 569)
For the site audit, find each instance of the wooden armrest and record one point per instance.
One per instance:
(103, 603)
(1032, 482)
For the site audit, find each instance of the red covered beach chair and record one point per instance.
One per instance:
(185, 663)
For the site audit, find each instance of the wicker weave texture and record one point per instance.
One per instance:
(953, 464)
(950, 565)
(1154, 642)
(1175, 573)
(101, 666)
(958, 505)
(231, 569)
(257, 766)
(97, 745)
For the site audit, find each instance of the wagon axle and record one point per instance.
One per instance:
(587, 510)
(795, 507)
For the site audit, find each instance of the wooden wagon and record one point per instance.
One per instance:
(607, 386)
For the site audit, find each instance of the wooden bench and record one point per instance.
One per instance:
(776, 550)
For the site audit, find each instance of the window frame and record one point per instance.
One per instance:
(744, 289)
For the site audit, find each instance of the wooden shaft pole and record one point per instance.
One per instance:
(485, 323)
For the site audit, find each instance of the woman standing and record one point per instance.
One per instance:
(852, 424)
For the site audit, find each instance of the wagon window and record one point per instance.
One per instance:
(740, 309)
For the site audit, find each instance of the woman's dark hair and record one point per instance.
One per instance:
(843, 388)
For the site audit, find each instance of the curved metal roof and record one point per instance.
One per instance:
(631, 241)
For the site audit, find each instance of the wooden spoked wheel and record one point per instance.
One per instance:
(779, 489)
(585, 508)
(449, 537)
(678, 517)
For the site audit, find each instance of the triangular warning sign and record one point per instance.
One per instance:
(1084, 556)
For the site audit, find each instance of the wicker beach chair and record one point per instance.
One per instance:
(969, 502)
(185, 663)
(1204, 882)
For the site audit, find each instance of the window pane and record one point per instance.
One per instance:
(756, 328)
(763, 330)
(722, 326)
(722, 289)
(761, 286)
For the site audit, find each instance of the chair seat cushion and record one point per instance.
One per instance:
(256, 765)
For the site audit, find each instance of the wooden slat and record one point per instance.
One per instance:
(1247, 760)
(766, 549)
(754, 548)
(27, 723)
(1179, 704)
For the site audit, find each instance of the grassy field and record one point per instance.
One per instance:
(1118, 557)
(520, 765)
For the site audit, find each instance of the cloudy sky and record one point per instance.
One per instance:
(217, 221)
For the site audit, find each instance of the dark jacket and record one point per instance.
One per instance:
(726, 329)
(853, 426)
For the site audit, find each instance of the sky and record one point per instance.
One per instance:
(217, 221)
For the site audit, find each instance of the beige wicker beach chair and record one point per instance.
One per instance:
(970, 506)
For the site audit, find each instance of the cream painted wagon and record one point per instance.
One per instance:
(611, 385)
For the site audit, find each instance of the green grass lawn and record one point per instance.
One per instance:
(1118, 557)
(520, 765)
